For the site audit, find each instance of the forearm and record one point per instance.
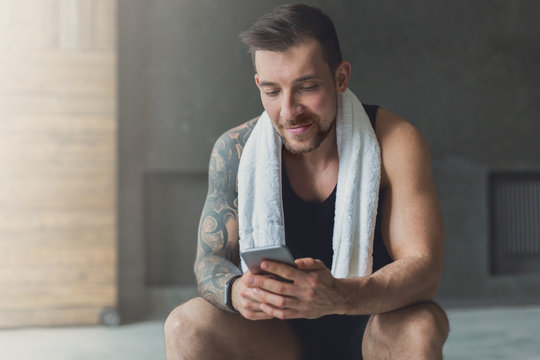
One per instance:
(212, 273)
(405, 281)
(218, 255)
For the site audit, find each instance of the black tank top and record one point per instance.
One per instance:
(309, 226)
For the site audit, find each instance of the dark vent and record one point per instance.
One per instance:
(515, 222)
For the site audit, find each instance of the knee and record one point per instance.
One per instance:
(185, 320)
(428, 323)
(421, 325)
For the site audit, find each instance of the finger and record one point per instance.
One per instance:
(274, 286)
(249, 298)
(251, 305)
(285, 271)
(278, 301)
(280, 313)
(309, 264)
(251, 280)
(246, 299)
(255, 315)
(250, 308)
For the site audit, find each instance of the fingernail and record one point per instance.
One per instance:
(264, 265)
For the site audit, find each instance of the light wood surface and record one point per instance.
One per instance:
(57, 161)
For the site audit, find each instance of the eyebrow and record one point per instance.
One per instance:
(300, 79)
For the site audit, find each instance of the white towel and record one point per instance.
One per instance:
(260, 203)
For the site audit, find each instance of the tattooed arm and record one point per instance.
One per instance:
(218, 257)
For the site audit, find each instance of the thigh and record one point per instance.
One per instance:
(201, 329)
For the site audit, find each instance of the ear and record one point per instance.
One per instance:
(343, 73)
(257, 80)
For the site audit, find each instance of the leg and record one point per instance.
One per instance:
(414, 332)
(199, 330)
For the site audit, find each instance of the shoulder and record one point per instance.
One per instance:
(404, 150)
(231, 143)
(225, 157)
(224, 161)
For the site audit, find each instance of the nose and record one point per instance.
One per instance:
(290, 107)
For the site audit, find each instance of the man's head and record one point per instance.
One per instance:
(299, 74)
(291, 24)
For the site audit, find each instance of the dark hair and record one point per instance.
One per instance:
(291, 24)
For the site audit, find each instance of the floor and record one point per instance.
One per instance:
(494, 333)
(487, 333)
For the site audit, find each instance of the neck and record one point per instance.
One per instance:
(313, 175)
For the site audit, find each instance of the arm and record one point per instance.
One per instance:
(218, 249)
(218, 257)
(411, 224)
(412, 232)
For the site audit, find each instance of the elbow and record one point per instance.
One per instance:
(430, 291)
(431, 279)
(426, 293)
(432, 283)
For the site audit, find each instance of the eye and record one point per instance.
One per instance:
(272, 93)
(309, 88)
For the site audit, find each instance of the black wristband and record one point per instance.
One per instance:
(228, 292)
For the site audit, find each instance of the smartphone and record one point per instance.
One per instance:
(254, 256)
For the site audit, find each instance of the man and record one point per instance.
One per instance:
(387, 315)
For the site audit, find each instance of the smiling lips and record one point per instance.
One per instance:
(297, 130)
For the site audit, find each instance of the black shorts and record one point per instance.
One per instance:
(336, 337)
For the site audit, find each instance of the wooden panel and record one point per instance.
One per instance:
(55, 297)
(104, 36)
(56, 275)
(71, 255)
(71, 194)
(60, 103)
(57, 162)
(27, 24)
(50, 317)
(57, 149)
(45, 122)
(58, 72)
(75, 24)
(52, 221)
(62, 238)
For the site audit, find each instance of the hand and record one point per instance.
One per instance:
(313, 293)
(243, 299)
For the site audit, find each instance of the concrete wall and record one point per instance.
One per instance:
(463, 72)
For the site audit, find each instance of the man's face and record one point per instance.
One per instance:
(298, 91)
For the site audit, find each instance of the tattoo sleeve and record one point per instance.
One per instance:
(218, 257)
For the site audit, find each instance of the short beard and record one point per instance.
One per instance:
(320, 136)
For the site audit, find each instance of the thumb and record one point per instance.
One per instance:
(309, 264)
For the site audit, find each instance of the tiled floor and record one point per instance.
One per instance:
(511, 333)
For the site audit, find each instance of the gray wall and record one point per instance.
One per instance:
(463, 72)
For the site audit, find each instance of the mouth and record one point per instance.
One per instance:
(297, 130)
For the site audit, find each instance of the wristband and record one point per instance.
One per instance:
(228, 292)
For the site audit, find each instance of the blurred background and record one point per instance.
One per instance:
(109, 110)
